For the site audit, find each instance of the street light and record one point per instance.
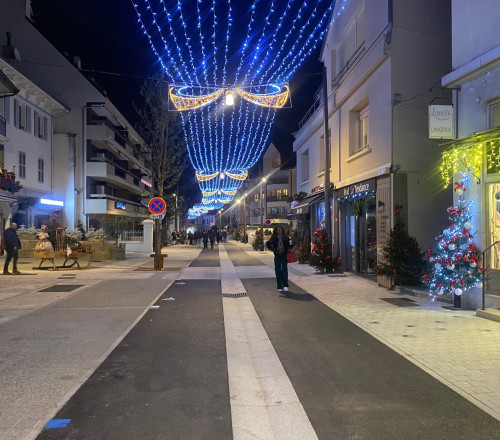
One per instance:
(176, 215)
(262, 211)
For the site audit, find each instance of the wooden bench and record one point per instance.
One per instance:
(158, 261)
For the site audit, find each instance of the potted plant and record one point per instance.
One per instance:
(114, 226)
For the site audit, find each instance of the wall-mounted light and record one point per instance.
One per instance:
(380, 203)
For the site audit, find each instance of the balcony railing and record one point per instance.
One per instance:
(280, 215)
(277, 198)
(350, 63)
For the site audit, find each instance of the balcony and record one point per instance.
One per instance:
(106, 204)
(350, 63)
(278, 215)
(277, 198)
(109, 171)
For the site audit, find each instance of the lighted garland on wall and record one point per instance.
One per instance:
(469, 156)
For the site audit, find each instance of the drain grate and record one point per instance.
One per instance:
(61, 288)
(234, 295)
(401, 302)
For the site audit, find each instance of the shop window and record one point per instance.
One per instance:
(22, 165)
(304, 166)
(494, 219)
(493, 156)
(41, 170)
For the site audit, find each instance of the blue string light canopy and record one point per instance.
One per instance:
(222, 52)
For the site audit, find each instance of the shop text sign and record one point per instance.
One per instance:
(441, 122)
(358, 188)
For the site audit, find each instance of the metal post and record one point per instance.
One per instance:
(261, 205)
(328, 218)
(483, 292)
(157, 245)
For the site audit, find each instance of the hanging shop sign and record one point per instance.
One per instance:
(358, 189)
(441, 122)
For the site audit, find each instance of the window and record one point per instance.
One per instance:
(273, 210)
(277, 161)
(285, 192)
(322, 151)
(41, 169)
(1, 154)
(278, 194)
(22, 165)
(40, 126)
(278, 210)
(494, 114)
(285, 210)
(22, 116)
(304, 166)
(359, 129)
(256, 197)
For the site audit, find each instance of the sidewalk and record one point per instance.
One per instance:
(456, 347)
(56, 327)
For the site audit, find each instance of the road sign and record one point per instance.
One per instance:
(156, 216)
(157, 205)
(268, 222)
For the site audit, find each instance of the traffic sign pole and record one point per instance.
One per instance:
(157, 207)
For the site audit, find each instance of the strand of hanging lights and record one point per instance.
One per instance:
(230, 63)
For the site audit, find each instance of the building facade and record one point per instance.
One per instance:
(475, 82)
(98, 166)
(26, 149)
(383, 61)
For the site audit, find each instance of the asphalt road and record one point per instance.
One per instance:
(168, 378)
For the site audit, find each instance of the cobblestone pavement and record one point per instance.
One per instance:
(456, 347)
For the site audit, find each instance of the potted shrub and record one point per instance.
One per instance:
(114, 226)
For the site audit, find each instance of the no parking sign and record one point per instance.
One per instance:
(157, 205)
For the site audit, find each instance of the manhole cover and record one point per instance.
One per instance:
(401, 302)
(62, 288)
(234, 295)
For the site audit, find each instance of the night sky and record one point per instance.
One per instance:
(107, 37)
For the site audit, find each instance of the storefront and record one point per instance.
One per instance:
(309, 213)
(480, 155)
(358, 227)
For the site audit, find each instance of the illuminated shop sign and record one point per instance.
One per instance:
(120, 205)
(358, 188)
(146, 183)
(51, 202)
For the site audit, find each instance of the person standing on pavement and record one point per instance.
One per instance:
(205, 239)
(12, 246)
(211, 236)
(174, 237)
(279, 243)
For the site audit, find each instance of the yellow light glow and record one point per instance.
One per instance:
(276, 100)
(204, 177)
(229, 97)
(241, 176)
(192, 102)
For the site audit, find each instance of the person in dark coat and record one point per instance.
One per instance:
(12, 246)
(205, 239)
(190, 237)
(211, 236)
(279, 243)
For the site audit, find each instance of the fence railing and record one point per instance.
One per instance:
(132, 236)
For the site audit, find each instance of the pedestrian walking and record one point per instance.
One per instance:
(197, 237)
(174, 237)
(224, 236)
(211, 236)
(218, 237)
(12, 246)
(190, 238)
(279, 243)
(205, 239)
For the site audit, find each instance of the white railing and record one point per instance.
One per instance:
(132, 236)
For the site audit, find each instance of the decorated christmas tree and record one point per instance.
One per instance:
(321, 256)
(455, 257)
(402, 260)
(304, 251)
(258, 242)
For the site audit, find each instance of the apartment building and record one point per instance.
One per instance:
(26, 115)
(475, 82)
(383, 61)
(98, 166)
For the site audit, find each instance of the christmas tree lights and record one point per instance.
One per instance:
(455, 258)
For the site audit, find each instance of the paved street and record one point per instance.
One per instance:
(224, 356)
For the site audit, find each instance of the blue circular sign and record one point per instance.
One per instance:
(157, 205)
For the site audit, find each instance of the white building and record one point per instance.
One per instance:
(26, 148)
(98, 168)
(383, 60)
(475, 81)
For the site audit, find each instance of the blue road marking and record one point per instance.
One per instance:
(57, 423)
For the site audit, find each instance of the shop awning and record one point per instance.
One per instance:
(303, 205)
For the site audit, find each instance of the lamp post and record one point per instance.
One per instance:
(176, 215)
(262, 211)
(220, 218)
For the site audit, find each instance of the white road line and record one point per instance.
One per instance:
(264, 404)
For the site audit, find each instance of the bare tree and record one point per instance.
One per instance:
(162, 132)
